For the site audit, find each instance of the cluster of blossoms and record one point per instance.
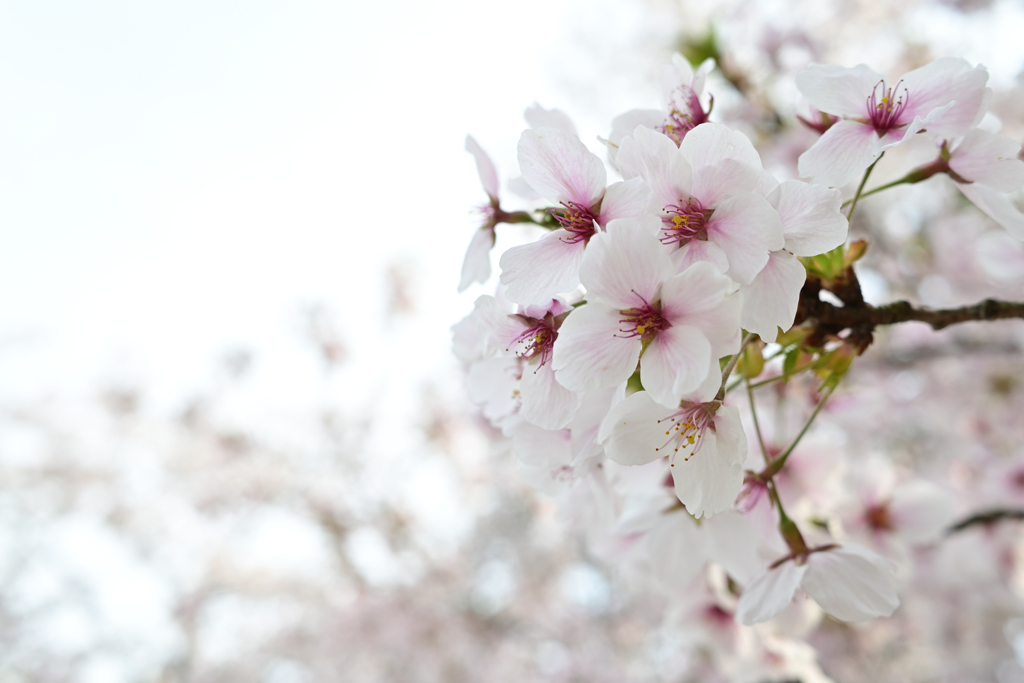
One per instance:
(609, 351)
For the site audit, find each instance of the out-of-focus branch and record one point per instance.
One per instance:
(987, 517)
(903, 311)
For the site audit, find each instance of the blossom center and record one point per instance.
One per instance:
(643, 321)
(685, 113)
(577, 219)
(684, 222)
(886, 106)
(536, 341)
(686, 427)
(878, 518)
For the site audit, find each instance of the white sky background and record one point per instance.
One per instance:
(180, 179)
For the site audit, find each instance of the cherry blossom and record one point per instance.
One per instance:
(476, 267)
(637, 304)
(986, 168)
(563, 170)
(705, 189)
(945, 97)
(849, 582)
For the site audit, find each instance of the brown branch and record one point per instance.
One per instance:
(986, 518)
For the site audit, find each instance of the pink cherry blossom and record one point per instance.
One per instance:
(476, 267)
(987, 169)
(945, 97)
(636, 303)
(564, 171)
(705, 189)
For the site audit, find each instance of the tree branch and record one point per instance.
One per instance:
(986, 518)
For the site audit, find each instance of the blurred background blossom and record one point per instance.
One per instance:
(234, 443)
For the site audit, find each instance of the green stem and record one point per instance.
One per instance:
(731, 365)
(778, 463)
(863, 182)
(757, 425)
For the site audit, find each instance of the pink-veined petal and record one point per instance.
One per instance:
(709, 144)
(716, 183)
(838, 90)
(811, 221)
(852, 583)
(770, 593)
(537, 272)
(946, 80)
(624, 125)
(990, 159)
(997, 206)
(709, 480)
(625, 264)
(696, 251)
(476, 266)
(628, 199)
(546, 403)
(538, 117)
(702, 297)
(771, 300)
(500, 329)
(653, 156)
(560, 167)
(589, 353)
(675, 363)
(632, 433)
(484, 166)
(841, 154)
(747, 228)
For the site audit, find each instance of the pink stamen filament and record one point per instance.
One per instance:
(685, 114)
(577, 219)
(684, 222)
(884, 114)
(536, 342)
(642, 321)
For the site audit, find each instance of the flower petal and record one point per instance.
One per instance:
(992, 160)
(709, 480)
(838, 90)
(535, 273)
(654, 157)
(625, 264)
(747, 228)
(484, 166)
(546, 403)
(476, 266)
(538, 117)
(560, 167)
(675, 363)
(846, 149)
(628, 199)
(997, 206)
(852, 583)
(588, 354)
(771, 300)
(632, 433)
(700, 297)
(696, 251)
(769, 593)
(811, 222)
(946, 80)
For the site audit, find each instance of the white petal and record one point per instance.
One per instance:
(677, 549)
(989, 159)
(538, 117)
(484, 166)
(709, 144)
(541, 447)
(696, 251)
(734, 544)
(560, 167)
(537, 272)
(654, 157)
(625, 265)
(746, 227)
(838, 90)
(709, 480)
(588, 352)
(624, 125)
(852, 583)
(997, 206)
(476, 266)
(633, 434)
(841, 154)
(494, 384)
(946, 80)
(811, 221)
(546, 403)
(628, 199)
(679, 72)
(675, 363)
(769, 593)
(500, 329)
(701, 297)
(771, 300)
